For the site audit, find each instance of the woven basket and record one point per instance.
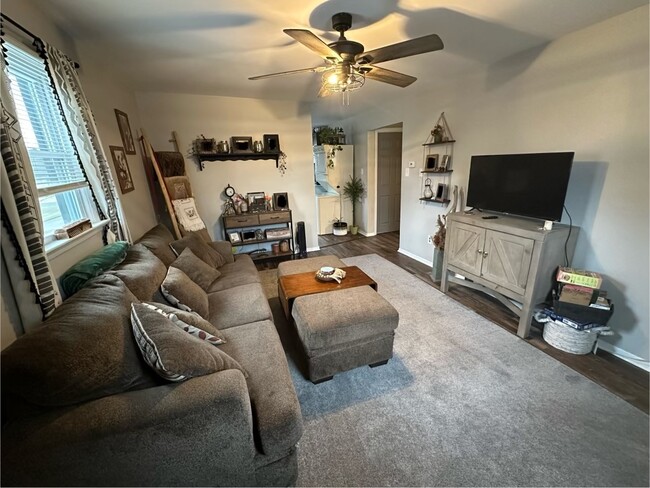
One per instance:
(568, 339)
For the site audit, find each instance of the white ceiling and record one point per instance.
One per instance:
(213, 46)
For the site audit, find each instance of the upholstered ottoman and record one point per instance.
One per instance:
(344, 329)
(309, 264)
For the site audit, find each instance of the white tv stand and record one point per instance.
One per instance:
(510, 258)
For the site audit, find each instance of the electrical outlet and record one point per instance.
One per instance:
(429, 240)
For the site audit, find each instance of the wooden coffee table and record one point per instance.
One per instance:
(293, 286)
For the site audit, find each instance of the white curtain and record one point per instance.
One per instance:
(32, 283)
(83, 129)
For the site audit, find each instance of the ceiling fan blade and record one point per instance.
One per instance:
(324, 92)
(387, 76)
(313, 42)
(402, 49)
(317, 69)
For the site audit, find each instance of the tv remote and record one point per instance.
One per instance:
(489, 217)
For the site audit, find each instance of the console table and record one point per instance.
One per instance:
(274, 219)
(510, 258)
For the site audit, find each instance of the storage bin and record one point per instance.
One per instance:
(582, 313)
(568, 339)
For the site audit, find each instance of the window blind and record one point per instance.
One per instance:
(52, 156)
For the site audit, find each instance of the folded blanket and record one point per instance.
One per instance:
(187, 215)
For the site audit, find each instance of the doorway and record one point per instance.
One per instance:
(389, 178)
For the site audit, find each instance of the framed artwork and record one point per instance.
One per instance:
(122, 169)
(441, 191)
(272, 143)
(125, 132)
(431, 162)
(241, 144)
(234, 237)
(280, 201)
(444, 163)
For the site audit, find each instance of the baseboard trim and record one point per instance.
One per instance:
(414, 256)
(624, 355)
(367, 234)
(311, 249)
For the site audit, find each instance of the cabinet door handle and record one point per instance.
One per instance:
(485, 254)
(275, 218)
(480, 251)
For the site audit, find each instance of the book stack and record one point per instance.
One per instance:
(578, 300)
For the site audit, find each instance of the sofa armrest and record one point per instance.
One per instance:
(225, 249)
(198, 432)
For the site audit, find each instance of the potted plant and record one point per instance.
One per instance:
(339, 227)
(438, 132)
(326, 135)
(354, 191)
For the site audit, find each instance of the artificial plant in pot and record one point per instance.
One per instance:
(354, 190)
(439, 249)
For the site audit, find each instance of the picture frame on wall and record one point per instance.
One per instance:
(241, 144)
(122, 169)
(271, 143)
(125, 132)
(431, 162)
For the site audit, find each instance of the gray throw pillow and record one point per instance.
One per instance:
(191, 318)
(200, 248)
(170, 352)
(196, 269)
(179, 290)
(189, 328)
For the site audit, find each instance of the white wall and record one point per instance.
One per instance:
(586, 92)
(223, 117)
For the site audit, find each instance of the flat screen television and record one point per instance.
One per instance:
(531, 185)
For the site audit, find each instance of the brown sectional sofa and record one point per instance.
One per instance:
(80, 406)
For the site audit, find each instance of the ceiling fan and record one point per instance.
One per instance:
(347, 65)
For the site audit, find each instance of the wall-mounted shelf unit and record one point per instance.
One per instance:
(451, 141)
(433, 171)
(236, 157)
(435, 200)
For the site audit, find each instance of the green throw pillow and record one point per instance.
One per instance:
(75, 278)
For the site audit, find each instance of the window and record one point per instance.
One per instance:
(63, 193)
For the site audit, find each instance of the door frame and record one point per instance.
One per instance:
(397, 127)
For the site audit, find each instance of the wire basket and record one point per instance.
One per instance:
(568, 339)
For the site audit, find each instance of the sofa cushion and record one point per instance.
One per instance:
(239, 305)
(179, 290)
(157, 240)
(171, 353)
(141, 271)
(84, 350)
(200, 248)
(191, 318)
(258, 349)
(92, 266)
(196, 269)
(189, 328)
(240, 272)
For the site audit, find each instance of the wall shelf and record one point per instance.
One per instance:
(451, 141)
(434, 200)
(236, 157)
(433, 171)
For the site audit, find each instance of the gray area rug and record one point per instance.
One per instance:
(462, 403)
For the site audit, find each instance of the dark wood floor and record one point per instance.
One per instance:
(621, 378)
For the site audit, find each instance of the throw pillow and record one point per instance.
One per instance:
(198, 270)
(190, 329)
(170, 352)
(76, 277)
(183, 293)
(141, 271)
(157, 241)
(191, 318)
(200, 248)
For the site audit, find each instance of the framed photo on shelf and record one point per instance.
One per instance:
(444, 163)
(122, 169)
(125, 132)
(241, 144)
(234, 237)
(431, 162)
(271, 143)
(280, 201)
(441, 191)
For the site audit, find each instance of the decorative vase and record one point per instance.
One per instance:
(436, 269)
(354, 229)
(428, 192)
